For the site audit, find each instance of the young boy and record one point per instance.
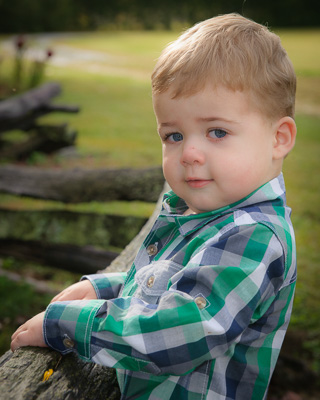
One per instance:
(204, 309)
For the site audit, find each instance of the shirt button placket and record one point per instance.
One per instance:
(152, 250)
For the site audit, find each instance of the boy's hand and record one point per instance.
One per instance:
(29, 334)
(78, 291)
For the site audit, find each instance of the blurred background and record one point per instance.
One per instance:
(98, 115)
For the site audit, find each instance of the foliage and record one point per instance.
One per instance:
(303, 196)
(70, 15)
(18, 303)
(26, 74)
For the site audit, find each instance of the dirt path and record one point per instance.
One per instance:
(66, 56)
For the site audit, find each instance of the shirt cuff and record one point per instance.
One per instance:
(67, 325)
(107, 286)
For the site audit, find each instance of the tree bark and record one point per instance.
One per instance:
(21, 377)
(80, 185)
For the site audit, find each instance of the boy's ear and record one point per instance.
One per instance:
(285, 137)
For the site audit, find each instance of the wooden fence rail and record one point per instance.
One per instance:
(21, 112)
(81, 185)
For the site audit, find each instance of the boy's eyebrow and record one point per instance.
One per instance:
(165, 124)
(213, 119)
(204, 119)
(200, 119)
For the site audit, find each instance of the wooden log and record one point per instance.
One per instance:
(21, 376)
(45, 138)
(80, 185)
(18, 106)
(77, 228)
(84, 260)
(21, 111)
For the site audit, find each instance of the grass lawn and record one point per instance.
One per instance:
(117, 128)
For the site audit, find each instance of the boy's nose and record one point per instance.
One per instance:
(192, 155)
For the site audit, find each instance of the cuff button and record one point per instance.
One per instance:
(68, 343)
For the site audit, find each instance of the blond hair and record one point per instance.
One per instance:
(232, 51)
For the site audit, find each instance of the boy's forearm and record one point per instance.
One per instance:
(107, 285)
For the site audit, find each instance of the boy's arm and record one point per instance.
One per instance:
(204, 312)
(106, 285)
(101, 286)
(96, 286)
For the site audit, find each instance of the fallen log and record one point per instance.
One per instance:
(84, 260)
(69, 227)
(47, 139)
(21, 373)
(22, 104)
(20, 112)
(80, 185)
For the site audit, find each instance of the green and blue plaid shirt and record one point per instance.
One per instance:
(204, 309)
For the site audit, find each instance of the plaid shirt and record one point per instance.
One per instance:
(204, 309)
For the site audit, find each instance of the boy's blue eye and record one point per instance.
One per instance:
(175, 137)
(217, 133)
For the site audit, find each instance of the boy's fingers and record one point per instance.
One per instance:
(17, 341)
(59, 297)
(17, 332)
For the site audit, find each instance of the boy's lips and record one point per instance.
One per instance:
(198, 182)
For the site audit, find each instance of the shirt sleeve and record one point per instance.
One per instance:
(107, 285)
(220, 295)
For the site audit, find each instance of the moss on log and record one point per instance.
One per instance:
(81, 229)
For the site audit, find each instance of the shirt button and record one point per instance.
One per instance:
(200, 302)
(152, 250)
(68, 343)
(150, 281)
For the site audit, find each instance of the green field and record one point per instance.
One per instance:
(117, 129)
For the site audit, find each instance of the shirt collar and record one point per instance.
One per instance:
(174, 207)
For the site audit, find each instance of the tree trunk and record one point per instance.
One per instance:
(77, 185)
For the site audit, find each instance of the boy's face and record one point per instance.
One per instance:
(216, 148)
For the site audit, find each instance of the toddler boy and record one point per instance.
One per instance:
(204, 309)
